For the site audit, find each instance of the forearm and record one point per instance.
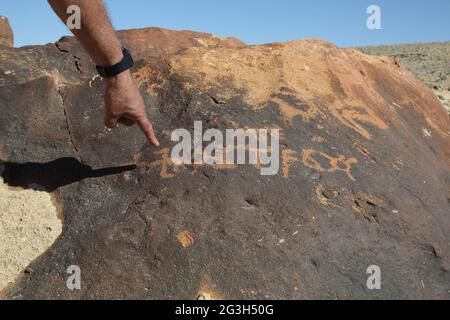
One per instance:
(96, 34)
(123, 101)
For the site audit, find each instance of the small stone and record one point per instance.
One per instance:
(437, 252)
(445, 268)
(126, 177)
(186, 239)
(28, 270)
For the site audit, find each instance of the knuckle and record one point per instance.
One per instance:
(110, 123)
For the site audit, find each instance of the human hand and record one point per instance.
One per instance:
(124, 104)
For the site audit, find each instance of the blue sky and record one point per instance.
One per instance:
(253, 21)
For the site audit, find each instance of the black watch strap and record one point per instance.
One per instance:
(111, 71)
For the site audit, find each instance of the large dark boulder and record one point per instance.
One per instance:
(364, 177)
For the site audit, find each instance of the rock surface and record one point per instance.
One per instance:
(364, 177)
(150, 42)
(6, 33)
(427, 61)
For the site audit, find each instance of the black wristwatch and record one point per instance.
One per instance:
(111, 71)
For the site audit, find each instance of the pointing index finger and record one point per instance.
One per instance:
(147, 129)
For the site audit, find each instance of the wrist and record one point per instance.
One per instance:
(113, 58)
(121, 78)
(108, 58)
(123, 65)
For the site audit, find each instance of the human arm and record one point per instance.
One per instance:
(123, 101)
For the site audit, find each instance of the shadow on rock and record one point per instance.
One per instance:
(52, 175)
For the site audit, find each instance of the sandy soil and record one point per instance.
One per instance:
(29, 225)
(430, 62)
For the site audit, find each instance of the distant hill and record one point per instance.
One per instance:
(430, 62)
